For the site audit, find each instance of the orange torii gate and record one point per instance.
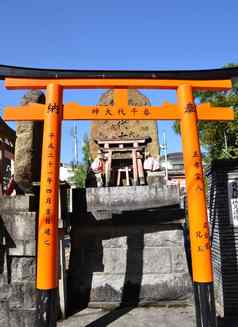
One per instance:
(53, 112)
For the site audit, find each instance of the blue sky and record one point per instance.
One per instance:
(111, 34)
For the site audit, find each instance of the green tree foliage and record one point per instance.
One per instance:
(220, 139)
(80, 172)
(79, 176)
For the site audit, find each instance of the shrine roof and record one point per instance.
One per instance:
(6, 131)
(123, 141)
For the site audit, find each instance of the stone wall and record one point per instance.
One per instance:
(135, 258)
(17, 261)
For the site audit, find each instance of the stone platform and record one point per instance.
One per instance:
(129, 198)
(137, 257)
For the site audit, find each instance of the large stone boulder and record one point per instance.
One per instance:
(125, 129)
(28, 147)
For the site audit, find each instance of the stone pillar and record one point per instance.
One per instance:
(28, 147)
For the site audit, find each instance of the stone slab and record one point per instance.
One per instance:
(163, 238)
(131, 198)
(127, 235)
(21, 225)
(110, 288)
(22, 269)
(23, 248)
(19, 230)
(151, 260)
(16, 203)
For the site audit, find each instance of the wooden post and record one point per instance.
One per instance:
(108, 168)
(198, 222)
(135, 172)
(47, 251)
(140, 169)
(127, 176)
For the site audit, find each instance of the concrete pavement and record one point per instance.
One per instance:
(132, 317)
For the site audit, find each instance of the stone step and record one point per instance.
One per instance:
(148, 288)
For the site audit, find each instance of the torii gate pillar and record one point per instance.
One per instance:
(47, 251)
(197, 211)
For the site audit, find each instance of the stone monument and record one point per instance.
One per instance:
(28, 147)
(125, 129)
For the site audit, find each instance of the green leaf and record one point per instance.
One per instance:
(80, 172)
(220, 139)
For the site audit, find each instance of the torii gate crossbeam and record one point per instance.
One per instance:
(185, 110)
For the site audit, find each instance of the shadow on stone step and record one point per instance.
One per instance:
(227, 322)
(110, 317)
(83, 266)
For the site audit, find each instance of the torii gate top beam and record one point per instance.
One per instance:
(24, 83)
(203, 74)
(120, 81)
(33, 78)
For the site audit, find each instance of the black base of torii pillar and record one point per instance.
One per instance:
(46, 311)
(204, 304)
